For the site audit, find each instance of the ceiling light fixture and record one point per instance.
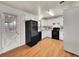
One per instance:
(50, 13)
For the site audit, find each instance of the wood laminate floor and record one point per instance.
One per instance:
(45, 48)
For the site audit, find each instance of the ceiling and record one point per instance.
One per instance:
(41, 8)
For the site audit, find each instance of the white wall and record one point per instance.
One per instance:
(71, 30)
(13, 40)
(0, 35)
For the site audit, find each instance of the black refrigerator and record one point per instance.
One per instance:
(31, 32)
(55, 33)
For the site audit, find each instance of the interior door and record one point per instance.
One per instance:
(10, 40)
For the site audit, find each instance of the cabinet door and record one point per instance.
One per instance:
(28, 31)
(46, 33)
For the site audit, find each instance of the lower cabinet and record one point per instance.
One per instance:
(46, 33)
(34, 40)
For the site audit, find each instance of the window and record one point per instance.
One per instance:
(10, 22)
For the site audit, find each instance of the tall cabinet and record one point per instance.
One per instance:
(31, 32)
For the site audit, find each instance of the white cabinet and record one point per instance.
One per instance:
(61, 34)
(46, 33)
(71, 30)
